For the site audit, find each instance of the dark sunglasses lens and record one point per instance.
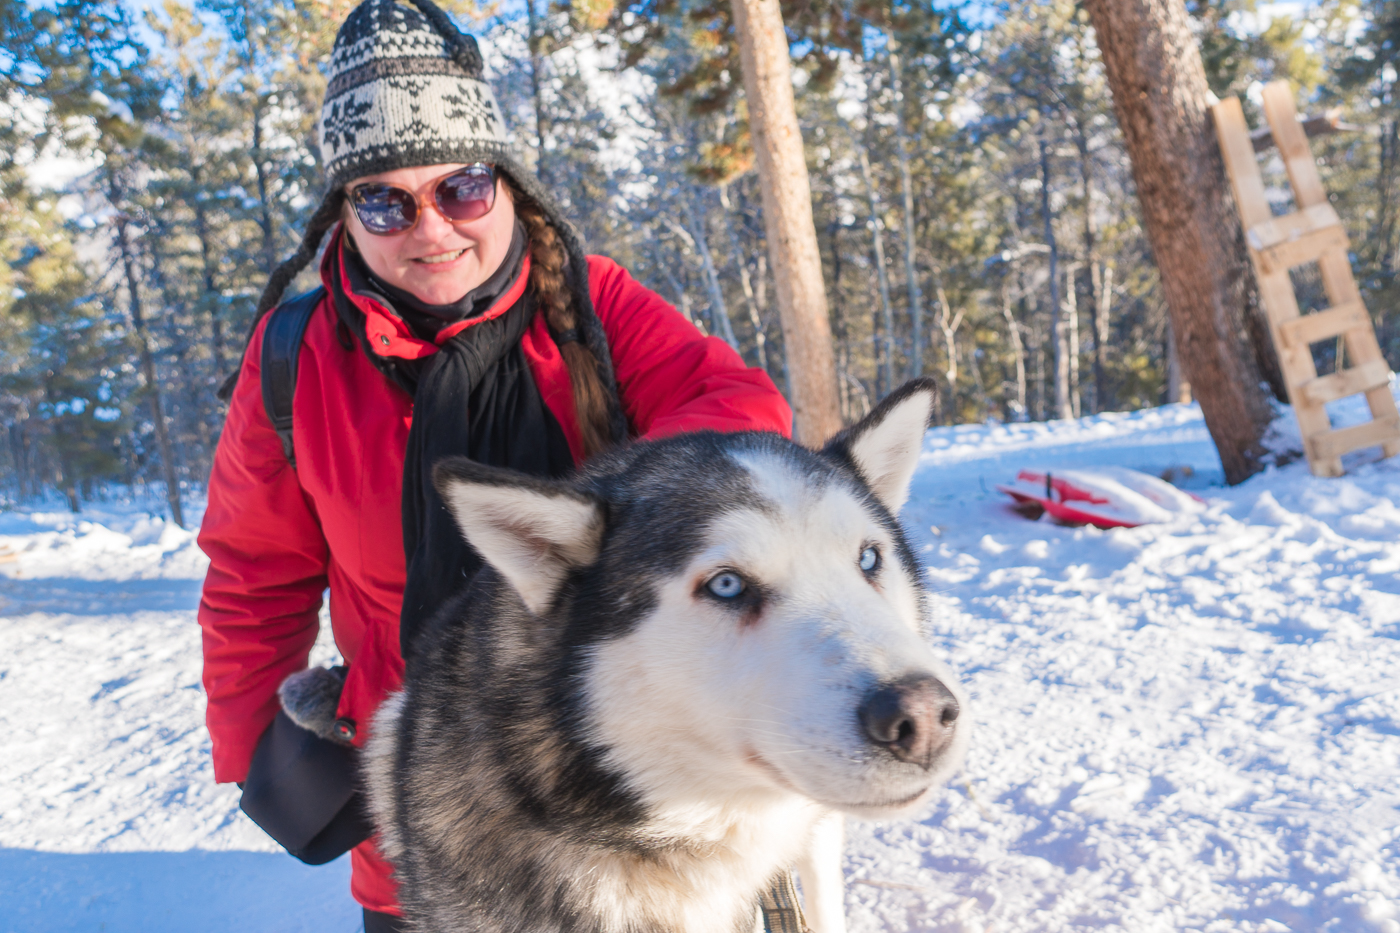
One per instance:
(384, 209)
(468, 194)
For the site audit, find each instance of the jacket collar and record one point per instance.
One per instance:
(389, 334)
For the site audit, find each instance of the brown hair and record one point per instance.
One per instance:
(548, 260)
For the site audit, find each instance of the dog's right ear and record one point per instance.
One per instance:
(531, 530)
(883, 447)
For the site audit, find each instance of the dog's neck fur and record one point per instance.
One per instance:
(704, 867)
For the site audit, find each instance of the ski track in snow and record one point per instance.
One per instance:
(1185, 726)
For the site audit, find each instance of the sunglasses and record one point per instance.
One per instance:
(464, 195)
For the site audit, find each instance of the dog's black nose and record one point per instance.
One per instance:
(914, 717)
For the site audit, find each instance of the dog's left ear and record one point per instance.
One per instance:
(884, 446)
(531, 530)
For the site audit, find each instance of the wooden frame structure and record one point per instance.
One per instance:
(1312, 233)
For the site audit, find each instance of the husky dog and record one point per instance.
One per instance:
(675, 674)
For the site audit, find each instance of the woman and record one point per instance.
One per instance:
(460, 317)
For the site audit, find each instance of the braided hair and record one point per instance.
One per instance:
(548, 260)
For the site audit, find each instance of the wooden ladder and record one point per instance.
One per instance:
(1312, 233)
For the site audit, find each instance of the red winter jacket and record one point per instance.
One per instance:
(278, 537)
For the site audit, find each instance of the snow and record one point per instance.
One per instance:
(109, 815)
(1192, 725)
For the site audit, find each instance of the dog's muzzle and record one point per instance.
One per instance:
(913, 717)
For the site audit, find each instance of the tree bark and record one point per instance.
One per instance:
(1386, 175)
(1072, 336)
(1178, 389)
(1091, 267)
(1013, 331)
(269, 237)
(1102, 279)
(206, 253)
(787, 218)
(916, 295)
(148, 370)
(1161, 99)
(877, 237)
(948, 323)
(1057, 330)
(751, 297)
(719, 311)
(533, 42)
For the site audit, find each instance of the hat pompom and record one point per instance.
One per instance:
(465, 51)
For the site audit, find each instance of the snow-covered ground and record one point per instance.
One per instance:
(1193, 725)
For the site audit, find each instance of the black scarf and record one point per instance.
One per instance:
(474, 397)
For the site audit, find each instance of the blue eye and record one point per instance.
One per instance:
(870, 560)
(726, 585)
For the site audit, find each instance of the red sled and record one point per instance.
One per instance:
(1105, 497)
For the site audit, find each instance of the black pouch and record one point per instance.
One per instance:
(304, 791)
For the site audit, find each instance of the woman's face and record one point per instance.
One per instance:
(437, 261)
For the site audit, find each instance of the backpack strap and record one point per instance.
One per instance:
(281, 348)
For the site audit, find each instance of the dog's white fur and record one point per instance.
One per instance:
(531, 539)
(739, 738)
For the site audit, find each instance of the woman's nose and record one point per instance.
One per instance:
(432, 225)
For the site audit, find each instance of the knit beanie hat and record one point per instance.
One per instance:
(406, 89)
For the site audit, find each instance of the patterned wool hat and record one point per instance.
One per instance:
(406, 89)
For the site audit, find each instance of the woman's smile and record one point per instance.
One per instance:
(440, 258)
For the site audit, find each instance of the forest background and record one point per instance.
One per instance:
(971, 192)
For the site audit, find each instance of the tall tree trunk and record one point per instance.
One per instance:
(19, 450)
(719, 311)
(1178, 387)
(877, 236)
(269, 239)
(66, 486)
(1383, 235)
(1072, 336)
(751, 298)
(1161, 99)
(148, 366)
(1102, 276)
(206, 254)
(841, 330)
(948, 323)
(916, 296)
(1013, 330)
(787, 218)
(1091, 264)
(683, 300)
(533, 42)
(180, 345)
(1057, 331)
(1038, 368)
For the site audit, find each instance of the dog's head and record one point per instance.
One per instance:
(744, 614)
